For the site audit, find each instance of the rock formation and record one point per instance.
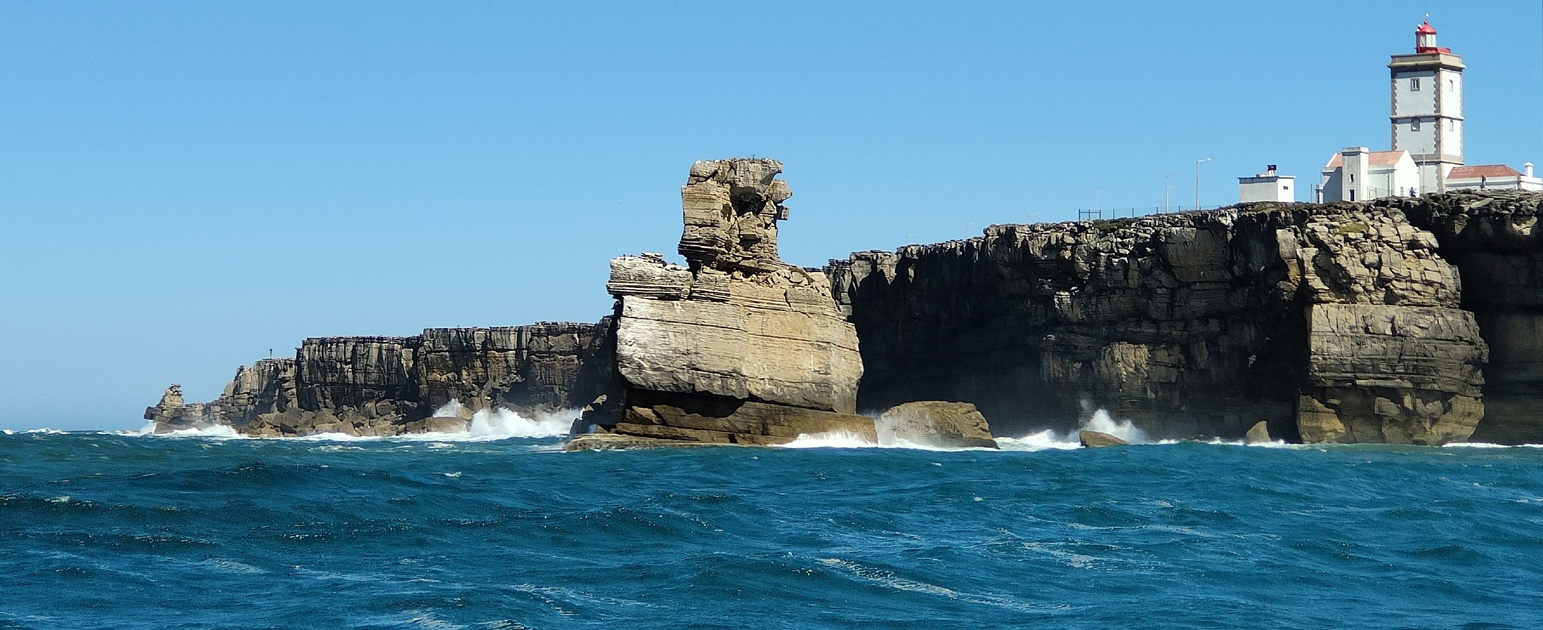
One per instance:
(1258, 434)
(1400, 320)
(737, 347)
(1095, 439)
(1336, 323)
(1496, 242)
(934, 423)
(393, 385)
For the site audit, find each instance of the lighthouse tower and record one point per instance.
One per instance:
(1428, 108)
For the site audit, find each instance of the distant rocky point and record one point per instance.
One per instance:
(1399, 320)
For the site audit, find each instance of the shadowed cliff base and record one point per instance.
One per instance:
(1364, 322)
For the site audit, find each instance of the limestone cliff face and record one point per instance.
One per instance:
(391, 385)
(737, 347)
(1333, 323)
(1497, 244)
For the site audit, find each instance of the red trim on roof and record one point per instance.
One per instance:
(1481, 170)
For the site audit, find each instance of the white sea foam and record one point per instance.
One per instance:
(215, 432)
(486, 425)
(1102, 422)
(1488, 445)
(1044, 440)
(831, 439)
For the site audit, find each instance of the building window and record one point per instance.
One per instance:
(1451, 85)
(1451, 125)
(1414, 85)
(1414, 125)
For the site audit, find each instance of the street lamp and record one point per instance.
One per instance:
(1167, 190)
(1197, 181)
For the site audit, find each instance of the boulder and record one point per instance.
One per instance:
(1258, 434)
(936, 423)
(1095, 439)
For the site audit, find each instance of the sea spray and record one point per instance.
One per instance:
(1102, 422)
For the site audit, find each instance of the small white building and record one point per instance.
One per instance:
(1493, 177)
(1267, 186)
(1358, 174)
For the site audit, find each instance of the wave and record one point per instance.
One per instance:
(487, 425)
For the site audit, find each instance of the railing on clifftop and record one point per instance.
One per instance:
(1122, 213)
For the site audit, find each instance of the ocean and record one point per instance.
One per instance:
(125, 530)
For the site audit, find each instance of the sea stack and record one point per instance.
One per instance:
(737, 347)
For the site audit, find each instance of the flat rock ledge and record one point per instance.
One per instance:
(1095, 439)
(619, 442)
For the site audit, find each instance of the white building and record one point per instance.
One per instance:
(1427, 155)
(1267, 186)
(1428, 108)
(1357, 174)
(1493, 177)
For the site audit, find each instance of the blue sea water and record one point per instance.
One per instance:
(126, 531)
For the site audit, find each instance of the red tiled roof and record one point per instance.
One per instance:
(1482, 170)
(1378, 158)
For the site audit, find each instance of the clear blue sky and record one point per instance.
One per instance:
(186, 185)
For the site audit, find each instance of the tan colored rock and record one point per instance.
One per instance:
(739, 347)
(617, 442)
(937, 423)
(1095, 439)
(1258, 434)
(1395, 374)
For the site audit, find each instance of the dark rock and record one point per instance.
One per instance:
(1193, 325)
(383, 386)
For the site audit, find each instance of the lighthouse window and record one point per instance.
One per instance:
(1414, 125)
(1414, 85)
(1451, 125)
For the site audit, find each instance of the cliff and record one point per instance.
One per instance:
(1402, 320)
(1366, 322)
(391, 385)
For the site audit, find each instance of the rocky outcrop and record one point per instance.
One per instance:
(1095, 439)
(935, 423)
(1496, 242)
(1258, 434)
(1332, 323)
(377, 386)
(737, 347)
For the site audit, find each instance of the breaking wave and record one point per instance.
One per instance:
(486, 425)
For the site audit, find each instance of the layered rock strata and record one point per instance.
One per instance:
(1337, 323)
(737, 346)
(1496, 241)
(393, 385)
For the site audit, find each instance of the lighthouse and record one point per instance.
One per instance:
(1427, 108)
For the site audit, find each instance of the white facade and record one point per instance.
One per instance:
(1427, 108)
(1493, 177)
(1267, 186)
(1358, 174)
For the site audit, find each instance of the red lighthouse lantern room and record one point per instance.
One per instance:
(1425, 39)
